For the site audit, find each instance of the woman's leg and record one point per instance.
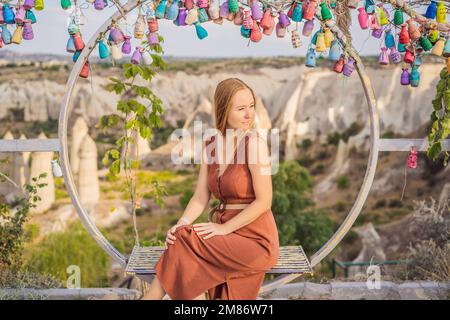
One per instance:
(155, 292)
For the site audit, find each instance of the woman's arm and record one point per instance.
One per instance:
(201, 196)
(260, 168)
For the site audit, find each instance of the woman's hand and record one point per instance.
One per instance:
(210, 228)
(170, 238)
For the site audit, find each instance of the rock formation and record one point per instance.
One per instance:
(88, 184)
(40, 163)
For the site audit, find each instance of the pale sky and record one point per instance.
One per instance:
(222, 41)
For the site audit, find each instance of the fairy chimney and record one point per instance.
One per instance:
(88, 183)
(40, 163)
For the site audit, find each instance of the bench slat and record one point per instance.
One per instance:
(292, 259)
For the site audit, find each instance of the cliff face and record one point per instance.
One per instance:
(299, 101)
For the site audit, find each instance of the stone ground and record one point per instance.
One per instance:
(425, 290)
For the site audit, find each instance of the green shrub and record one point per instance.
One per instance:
(74, 246)
(185, 198)
(342, 182)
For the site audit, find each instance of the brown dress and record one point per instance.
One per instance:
(229, 267)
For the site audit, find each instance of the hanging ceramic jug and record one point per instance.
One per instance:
(70, 47)
(139, 27)
(403, 37)
(116, 35)
(189, 4)
(247, 19)
(349, 66)
(383, 58)
(213, 10)
(310, 58)
(2, 19)
(417, 61)
(136, 57)
(153, 38)
(369, 6)
(99, 4)
(320, 43)
(329, 37)
(66, 4)
(75, 56)
(373, 23)
(202, 15)
(295, 39)
(308, 28)
(17, 35)
(255, 34)
(308, 14)
(335, 51)
(233, 6)
(431, 10)
(192, 16)
(441, 13)
(267, 20)
(84, 73)
(28, 30)
(8, 14)
(446, 52)
(409, 56)
(271, 26)
(147, 58)
(161, 9)
(79, 44)
(6, 34)
(438, 48)
(325, 12)
(103, 50)
(245, 32)
(239, 17)
(172, 13)
(56, 169)
(280, 31)
(389, 39)
(39, 5)
(283, 20)
(30, 16)
(404, 77)
(425, 43)
(398, 17)
(28, 4)
(181, 20)
(201, 32)
(257, 12)
(126, 46)
(377, 33)
(395, 56)
(223, 11)
(297, 13)
(339, 65)
(383, 18)
(363, 18)
(414, 32)
(20, 15)
(116, 52)
(433, 35)
(414, 77)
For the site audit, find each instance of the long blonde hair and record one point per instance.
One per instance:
(225, 91)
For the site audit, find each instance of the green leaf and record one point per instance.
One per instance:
(114, 169)
(434, 150)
